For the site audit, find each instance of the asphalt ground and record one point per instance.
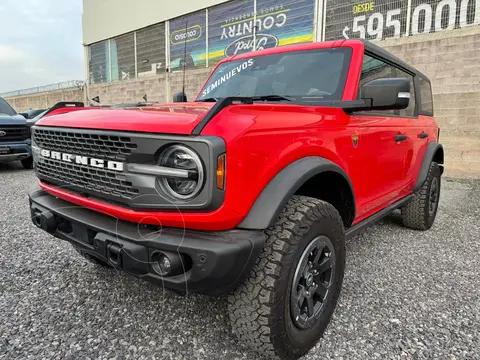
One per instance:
(406, 294)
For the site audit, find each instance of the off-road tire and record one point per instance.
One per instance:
(259, 309)
(27, 163)
(416, 214)
(92, 259)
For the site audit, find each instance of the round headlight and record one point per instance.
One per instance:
(182, 158)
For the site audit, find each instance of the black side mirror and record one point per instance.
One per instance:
(180, 97)
(387, 94)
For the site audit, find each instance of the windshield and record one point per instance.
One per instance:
(318, 74)
(5, 108)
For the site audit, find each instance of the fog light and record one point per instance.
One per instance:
(164, 263)
(169, 263)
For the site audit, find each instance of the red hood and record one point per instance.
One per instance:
(166, 118)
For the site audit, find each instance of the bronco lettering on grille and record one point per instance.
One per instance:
(82, 160)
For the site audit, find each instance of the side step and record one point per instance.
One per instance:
(355, 229)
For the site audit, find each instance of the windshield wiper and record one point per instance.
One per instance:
(208, 100)
(254, 98)
(272, 98)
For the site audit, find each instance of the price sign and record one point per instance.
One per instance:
(372, 20)
(381, 19)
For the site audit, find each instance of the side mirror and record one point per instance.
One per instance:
(387, 94)
(180, 97)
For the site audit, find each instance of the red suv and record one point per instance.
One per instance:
(252, 188)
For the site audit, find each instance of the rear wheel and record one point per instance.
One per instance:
(284, 306)
(27, 163)
(420, 213)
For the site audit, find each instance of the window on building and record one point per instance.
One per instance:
(99, 62)
(122, 52)
(426, 105)
(151, 50)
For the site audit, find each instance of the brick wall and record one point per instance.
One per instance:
(451, 59)
(45, 100)
(156, 87)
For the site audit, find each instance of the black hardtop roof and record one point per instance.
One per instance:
(384, 54)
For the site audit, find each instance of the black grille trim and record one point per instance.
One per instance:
(108, 147)
(14, 133)
(86, 178)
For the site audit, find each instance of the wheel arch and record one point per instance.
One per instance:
(435, 153)
(298, 178)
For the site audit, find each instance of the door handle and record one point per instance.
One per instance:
(423, 135)
(400, 137)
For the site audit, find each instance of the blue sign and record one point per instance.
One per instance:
(189, 31)
(234, 28)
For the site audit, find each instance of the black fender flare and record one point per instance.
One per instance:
(434, 152)
(282, 187)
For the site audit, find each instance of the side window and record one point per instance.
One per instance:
(410, 110)
(426, 104)
(373, 69)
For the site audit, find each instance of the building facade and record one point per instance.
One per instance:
(125, 40)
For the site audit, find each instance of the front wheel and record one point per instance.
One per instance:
(284, 306)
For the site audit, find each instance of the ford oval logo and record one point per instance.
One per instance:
(245, 44)
(2, 133)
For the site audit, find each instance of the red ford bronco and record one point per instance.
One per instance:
(251, 189)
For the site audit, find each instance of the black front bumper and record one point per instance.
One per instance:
(213, 263)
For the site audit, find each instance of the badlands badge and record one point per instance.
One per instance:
(355, 140)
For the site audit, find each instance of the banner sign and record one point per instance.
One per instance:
(289, 21)
(381, 19)
(228, 23)
(188, 30)
(372, 20)
(231, 26)
(433, 15)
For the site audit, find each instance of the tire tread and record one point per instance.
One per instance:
(413, 214)
(252, 304)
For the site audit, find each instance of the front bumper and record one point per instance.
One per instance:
(16, 151)
(213, 263)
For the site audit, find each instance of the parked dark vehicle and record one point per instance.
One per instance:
(32, 113)
(15, 141)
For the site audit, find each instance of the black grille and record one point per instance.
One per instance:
(14, 133)
(79, 143)
(84, 177)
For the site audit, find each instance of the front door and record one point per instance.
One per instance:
(386, 145)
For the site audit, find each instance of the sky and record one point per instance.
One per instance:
(40, 43)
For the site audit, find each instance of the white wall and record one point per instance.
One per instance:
(103, 19)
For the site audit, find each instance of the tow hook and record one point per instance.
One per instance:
(114, 254)
(44, 220)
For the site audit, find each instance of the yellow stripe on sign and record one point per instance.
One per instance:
(286, 41)
(216, 54)
(296, 40)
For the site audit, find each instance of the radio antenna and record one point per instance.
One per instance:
(184, 60)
